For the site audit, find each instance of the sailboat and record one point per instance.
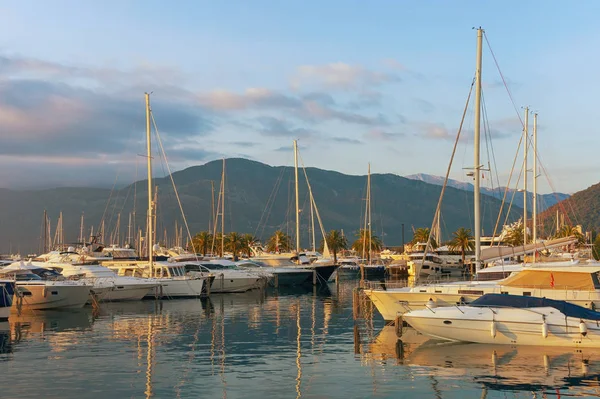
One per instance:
(367, 269)
(323, 268)
(172, 277)
(391, 302)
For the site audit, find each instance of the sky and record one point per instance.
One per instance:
(354, 82)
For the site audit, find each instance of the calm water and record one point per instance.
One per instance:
(273, 344)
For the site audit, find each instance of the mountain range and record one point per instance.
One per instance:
(545, 201)
(258, 199)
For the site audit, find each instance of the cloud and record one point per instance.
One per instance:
(340, 75)
(277, 128)
(424, 105)
(27, 67)
(38, 117)
(346, 140)
(394, 64)
(379, 134)
(434, 131)
(252, 98)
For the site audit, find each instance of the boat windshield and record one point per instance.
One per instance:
(524, 302)
(27, 277)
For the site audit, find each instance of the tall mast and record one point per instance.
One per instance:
(534, 178)
(369, 210)
(525, 143)
(81, 238)
(366, 225)
(297, 200)
(150, 237)
(129, 230)
(212, 207)
(312, 224)
(223, 210)
(45, 233)
(476, 142)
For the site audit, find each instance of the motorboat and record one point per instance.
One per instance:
(107, 285)
(228, 278)
(38, 288)
(173, 280)
(576, 284)
(7, 290)
(511, 320)
(277, 276)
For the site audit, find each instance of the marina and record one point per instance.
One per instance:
(283, 343)
(316, 200)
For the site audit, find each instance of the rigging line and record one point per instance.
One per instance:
(514, 193)
(312, 198)
(269, 206)
(560, 203)
(109, 199)
(506, 192)
(439, 204)
(187, 228)
(503, 80)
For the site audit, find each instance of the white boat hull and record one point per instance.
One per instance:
(236, 281)
(128, 293)
(397, 301)
(178, 288)
(50, 295)
(507, 326)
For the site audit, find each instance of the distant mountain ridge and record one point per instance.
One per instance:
(545, 201)
(259, 200)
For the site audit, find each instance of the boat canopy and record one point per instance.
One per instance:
(576, 278)
(524, 302)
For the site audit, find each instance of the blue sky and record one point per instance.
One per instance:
(354, 81)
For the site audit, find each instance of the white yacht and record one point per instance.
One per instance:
(228, 278)
(511, 320)
(576, 284)
(38, 288)
(173, 280)
(277, 276)
(107, 285)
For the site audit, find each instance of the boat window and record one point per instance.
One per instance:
(25, 293)
(596, 280)
(425, 267)
(470, 292)
(54, 292)
(527, 294)
(447, 322)
(27, 277)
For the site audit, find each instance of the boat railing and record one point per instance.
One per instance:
(384, 285)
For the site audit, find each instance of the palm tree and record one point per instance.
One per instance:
(201, 242)
(248, 241)
(462, 241)
(567, 231)
(216, 243)
(422, 235)
(234, 242)
(279, 242)
(336, 242)
(363, 239)
(514, 235)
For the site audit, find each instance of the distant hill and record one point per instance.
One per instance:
(259, 199)
(581, 208)
(544, 200)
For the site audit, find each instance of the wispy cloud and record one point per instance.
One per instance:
(379, 134)
(346, 140)
(278, 128)
(340, 75)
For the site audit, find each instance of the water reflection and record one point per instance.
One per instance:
(494, 367)
(273, 343)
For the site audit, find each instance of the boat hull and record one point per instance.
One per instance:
(393, 302)
(51, 295)
(225, 284)
(178, 288)
(507, 326)
(123, 292)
